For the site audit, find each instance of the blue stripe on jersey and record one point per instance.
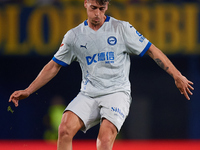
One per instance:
(59, 62)
(107, 20)
(85, 23)
(145, 49)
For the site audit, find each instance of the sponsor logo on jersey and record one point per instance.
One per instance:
(84, 46)
(141, 36)
(61, 45)
(118, 111)
(107, 57)
(112, 40)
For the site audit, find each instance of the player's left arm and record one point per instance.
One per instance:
(182, 83)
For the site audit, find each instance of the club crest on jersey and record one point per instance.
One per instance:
(112, 40)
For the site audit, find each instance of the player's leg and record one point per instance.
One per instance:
(70, 125)
(114, 109)
(107, 135)
(81, 113)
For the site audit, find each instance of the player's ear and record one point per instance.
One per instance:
(107, 3)
(107, 6)
(85, 3)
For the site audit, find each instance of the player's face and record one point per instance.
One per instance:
(95, 12)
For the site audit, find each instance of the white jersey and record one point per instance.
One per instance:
(103, 55)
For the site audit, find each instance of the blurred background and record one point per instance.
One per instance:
(31, 32)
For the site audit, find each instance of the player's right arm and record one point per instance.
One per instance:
(46, 74)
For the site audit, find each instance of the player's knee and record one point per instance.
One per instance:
(65, 132)
(105, 142)
(70, 124)
(106, 135)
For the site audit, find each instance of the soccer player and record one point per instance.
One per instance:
(102, 46)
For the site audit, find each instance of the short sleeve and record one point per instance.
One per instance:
(135, 42)
(65, 55)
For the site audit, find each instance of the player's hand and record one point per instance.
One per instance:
(18, 95)
(184, 86)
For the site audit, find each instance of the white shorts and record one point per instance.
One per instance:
(114, 107)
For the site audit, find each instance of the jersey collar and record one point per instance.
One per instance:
(107, 20)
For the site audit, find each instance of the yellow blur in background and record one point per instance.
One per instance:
(171, 27)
